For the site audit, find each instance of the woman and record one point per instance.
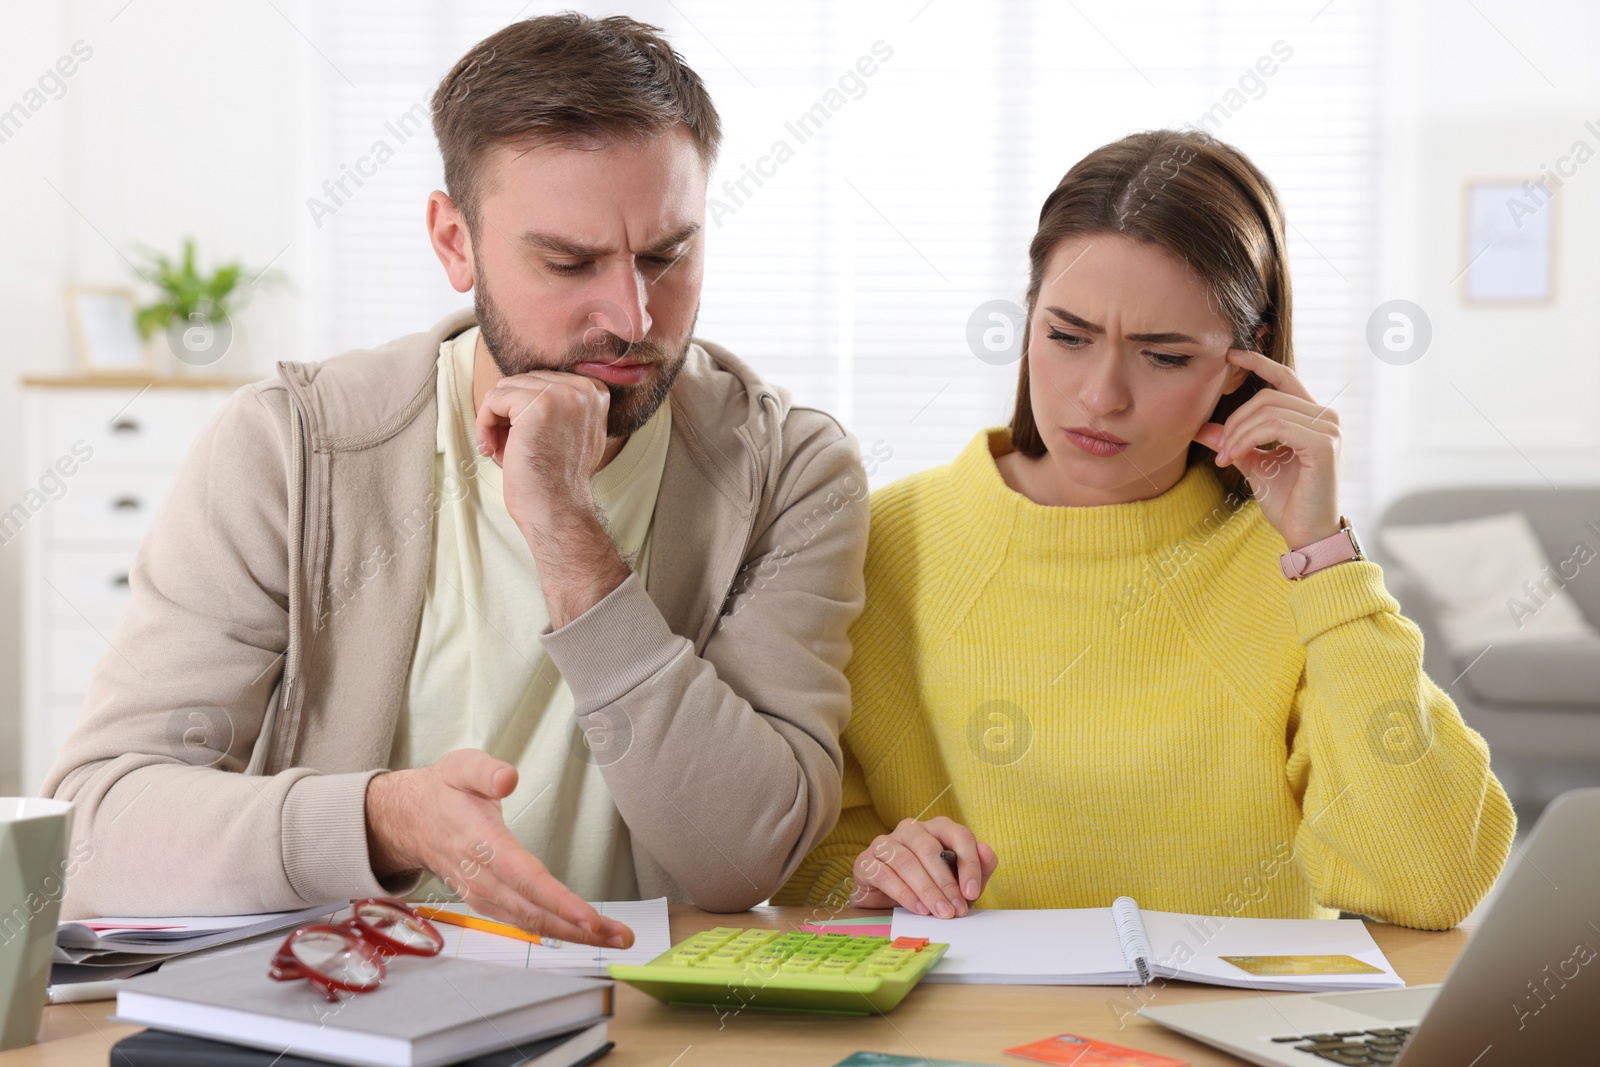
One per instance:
(1085, 651)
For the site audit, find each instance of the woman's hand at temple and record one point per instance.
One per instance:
(904, 867)
(1296, 483)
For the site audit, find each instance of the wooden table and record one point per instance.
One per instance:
(971, 1022)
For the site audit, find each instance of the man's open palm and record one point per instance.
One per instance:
(447, 819)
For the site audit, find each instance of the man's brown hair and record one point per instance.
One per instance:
(564, 79)
(1206, 203)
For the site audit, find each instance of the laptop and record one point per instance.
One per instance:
(1526, 990)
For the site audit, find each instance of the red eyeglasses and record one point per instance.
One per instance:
(349, 956)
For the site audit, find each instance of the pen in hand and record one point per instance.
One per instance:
(949, 858)
(488, 926)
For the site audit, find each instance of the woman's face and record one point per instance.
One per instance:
(1126, 361)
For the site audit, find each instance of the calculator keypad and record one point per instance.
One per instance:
(772, 952)
(731, 969)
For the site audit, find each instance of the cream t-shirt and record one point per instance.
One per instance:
(479, 676)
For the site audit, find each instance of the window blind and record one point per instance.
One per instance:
(919, 140)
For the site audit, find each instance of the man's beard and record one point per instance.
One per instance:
(631, 406)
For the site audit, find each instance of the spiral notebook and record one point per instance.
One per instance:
(1124, 945)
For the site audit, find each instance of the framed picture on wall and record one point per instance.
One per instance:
(1510, 242)
(105, 331)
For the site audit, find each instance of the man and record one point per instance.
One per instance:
(386, 622)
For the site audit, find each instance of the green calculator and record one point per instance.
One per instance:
(766, 969)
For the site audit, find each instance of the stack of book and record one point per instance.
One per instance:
(225, 1011)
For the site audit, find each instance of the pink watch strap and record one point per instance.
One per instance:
(1340, 548)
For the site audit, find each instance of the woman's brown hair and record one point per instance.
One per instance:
(1206, 203)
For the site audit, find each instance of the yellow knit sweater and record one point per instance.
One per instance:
(1130, 699)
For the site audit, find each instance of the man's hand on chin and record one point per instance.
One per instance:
(547, 431)
(446, 819)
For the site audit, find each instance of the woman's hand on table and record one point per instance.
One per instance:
(904, 868)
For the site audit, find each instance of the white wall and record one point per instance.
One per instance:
(183, 120)
(1504, 395)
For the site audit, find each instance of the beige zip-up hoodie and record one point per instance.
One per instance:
(254, 682)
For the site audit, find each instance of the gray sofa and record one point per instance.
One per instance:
(1537, 706)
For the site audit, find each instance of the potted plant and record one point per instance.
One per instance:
(195, 310)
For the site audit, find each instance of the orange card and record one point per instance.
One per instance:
(1070, 1049)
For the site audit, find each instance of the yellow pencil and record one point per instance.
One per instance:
(488, 926)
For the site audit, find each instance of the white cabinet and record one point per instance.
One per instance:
(99, 459)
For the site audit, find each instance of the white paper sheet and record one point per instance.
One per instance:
(647, 919)
(1204, 939)
(1058, 946)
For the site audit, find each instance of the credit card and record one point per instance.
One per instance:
(1087, 1052)
(1296, 965)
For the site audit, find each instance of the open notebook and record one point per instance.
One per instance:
(1122, 945)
